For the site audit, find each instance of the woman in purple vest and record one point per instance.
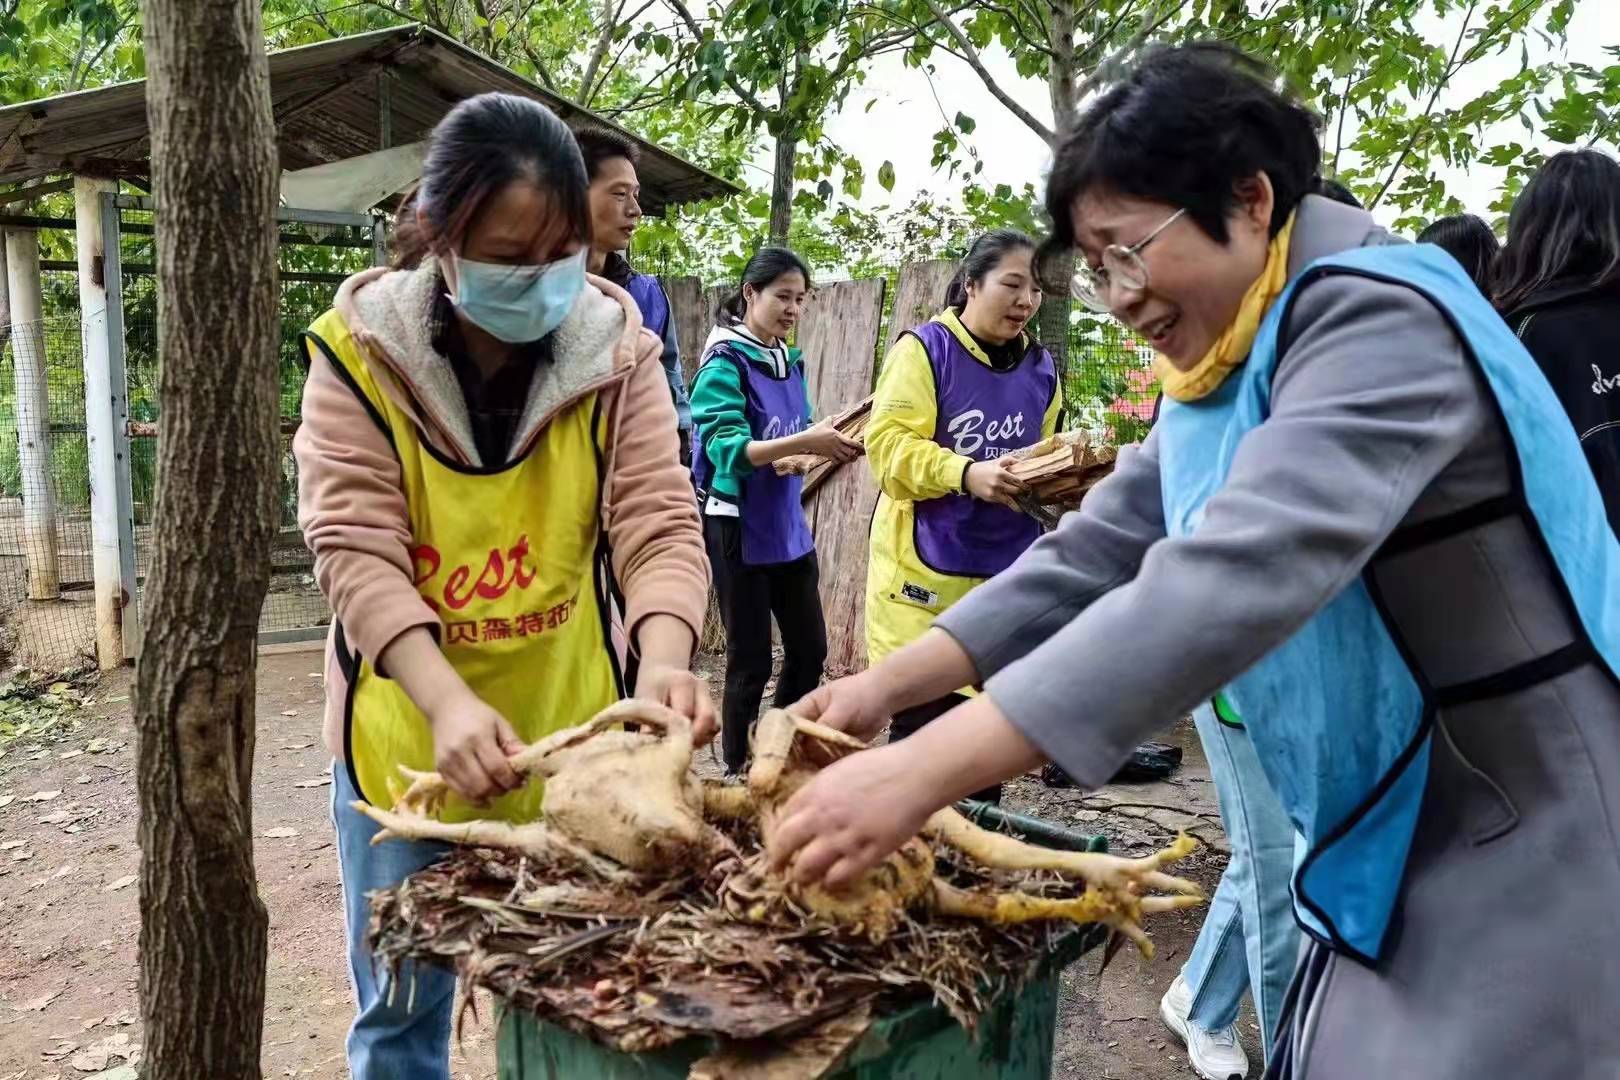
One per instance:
(955, 395)
(750, 406)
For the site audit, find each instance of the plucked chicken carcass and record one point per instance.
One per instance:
(625, 803)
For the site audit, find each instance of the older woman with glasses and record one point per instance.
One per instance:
(1364, 521)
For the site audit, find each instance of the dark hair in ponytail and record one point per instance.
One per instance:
(480, 146)
(767, 264)
(983, 257)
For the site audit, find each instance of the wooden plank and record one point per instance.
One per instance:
(837, 333)
(843, 509)
(691, 327)
(919, 296)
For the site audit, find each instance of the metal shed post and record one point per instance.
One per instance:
(106, 415)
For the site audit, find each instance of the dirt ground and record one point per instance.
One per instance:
(69, 926)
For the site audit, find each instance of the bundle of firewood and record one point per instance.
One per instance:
(1058, 472)
(813, 467)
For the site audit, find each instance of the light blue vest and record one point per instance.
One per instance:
(1341, 723)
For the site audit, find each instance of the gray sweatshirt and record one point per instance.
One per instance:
(1106, 630)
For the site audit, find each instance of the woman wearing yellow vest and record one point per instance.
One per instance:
(487, 460)
(955, 395)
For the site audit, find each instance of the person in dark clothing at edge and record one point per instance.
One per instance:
(1557, 283)
(1466, 238)
(751, 407)
(610, 162)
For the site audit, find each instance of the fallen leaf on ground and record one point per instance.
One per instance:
(70, 754)
(98, 1056)
(319, 781)
(94, 1021)
(289, 712)
(279, 833)
(7, 800)
(63, 871)
(41, 796)
(13, 845)
(99, 746)
(39, 1003)
(56, 817)
(61, 1050)
(296, 746)
(22, 856)
(122, 883)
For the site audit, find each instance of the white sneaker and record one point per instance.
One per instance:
(1215, 1055)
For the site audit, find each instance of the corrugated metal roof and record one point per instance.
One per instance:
(326, 98)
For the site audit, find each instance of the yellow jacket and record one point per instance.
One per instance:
(908, 466)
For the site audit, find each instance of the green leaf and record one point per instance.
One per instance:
(886, 175)
(965, 123)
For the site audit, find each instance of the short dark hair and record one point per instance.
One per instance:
(1564, 228)
(1466, 238)
(480, 146)
(1329, 188)
(766, 265)
(984, 256)
(599, 144)
(1183, 126)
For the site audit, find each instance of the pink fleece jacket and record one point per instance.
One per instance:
(351, 504)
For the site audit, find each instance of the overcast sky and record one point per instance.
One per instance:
(902, 122)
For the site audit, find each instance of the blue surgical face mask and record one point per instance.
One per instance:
(518, 303)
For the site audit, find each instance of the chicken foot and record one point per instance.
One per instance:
(1108, 872)
(1091, 906)
(535, 840)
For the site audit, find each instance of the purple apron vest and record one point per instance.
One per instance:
(982, 414)
(774, 529)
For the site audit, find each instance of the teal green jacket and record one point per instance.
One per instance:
(719, 412)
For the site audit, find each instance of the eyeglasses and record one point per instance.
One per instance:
(1120, 266)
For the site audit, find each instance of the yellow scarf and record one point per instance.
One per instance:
(1232, 347)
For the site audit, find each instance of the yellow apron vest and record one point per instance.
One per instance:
(513, 560)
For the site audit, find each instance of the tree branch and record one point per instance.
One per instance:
(748, 96)
(1147, 30)
(1018, 28)
(971, 55)
(1422, 121)
(610, 13)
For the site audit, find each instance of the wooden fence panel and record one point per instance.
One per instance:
(918, 297)
(838, 334)
(691, 321)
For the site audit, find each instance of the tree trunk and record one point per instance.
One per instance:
(203, 926)
(1062, 78)
(787, 150)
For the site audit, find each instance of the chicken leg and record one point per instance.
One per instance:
(1108, 872)
(534, 839)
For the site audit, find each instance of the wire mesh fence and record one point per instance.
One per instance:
(47, 599)
(314, 261)
(47, 608)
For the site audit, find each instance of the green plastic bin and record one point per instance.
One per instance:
(921, 1042)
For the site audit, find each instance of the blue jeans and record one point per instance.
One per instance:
(1249, 940)
(402, 1028)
